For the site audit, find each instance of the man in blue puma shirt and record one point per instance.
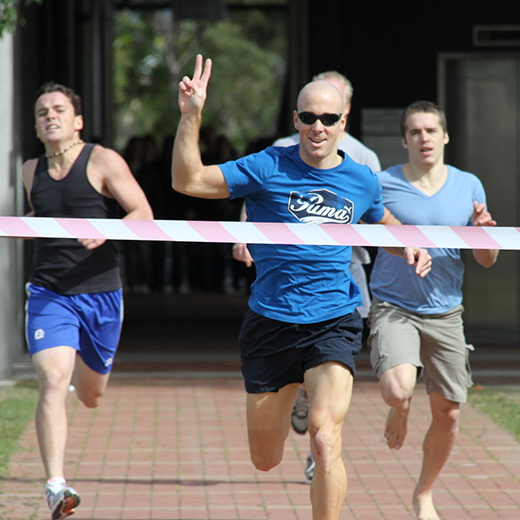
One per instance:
(302, 324)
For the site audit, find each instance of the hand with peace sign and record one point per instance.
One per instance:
(192, 92)
(189, 175)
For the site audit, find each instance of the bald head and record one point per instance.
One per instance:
(317, 92)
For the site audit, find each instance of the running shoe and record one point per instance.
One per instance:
(61, 498)
(309, 468)
(299, 412)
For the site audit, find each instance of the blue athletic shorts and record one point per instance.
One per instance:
(89, 323)
(275, 353)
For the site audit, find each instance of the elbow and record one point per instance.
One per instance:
(176, 185)
(490, 260)
(488, 264)
(143, 213)
(175, 182)
(179, 185)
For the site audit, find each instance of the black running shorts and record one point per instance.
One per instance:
(275, 353)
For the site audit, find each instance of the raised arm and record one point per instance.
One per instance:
(189, 175)
(481, 217)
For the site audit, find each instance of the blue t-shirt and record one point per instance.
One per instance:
(294, 283)
(391, 279)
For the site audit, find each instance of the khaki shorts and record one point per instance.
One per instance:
(434, 343)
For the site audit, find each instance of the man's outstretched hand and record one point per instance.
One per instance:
(192, 92)
(242, 254)
(481, 216)
(419, 258)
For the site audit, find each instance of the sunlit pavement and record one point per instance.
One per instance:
(169, 439)
(163, 448)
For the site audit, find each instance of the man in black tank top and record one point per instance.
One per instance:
(75, 282)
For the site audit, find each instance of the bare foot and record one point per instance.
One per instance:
(395, 428)
(423, 506)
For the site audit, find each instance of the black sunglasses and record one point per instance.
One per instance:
(309, 118)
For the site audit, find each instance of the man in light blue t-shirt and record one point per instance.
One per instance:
(416, 325)
(302, 323)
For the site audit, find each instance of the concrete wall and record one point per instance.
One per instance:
(11, 283)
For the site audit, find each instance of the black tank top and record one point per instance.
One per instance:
(63, 265)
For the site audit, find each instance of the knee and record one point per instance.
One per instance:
(395, 394)
(265, 460)
(53, 384)
(89, 398)
(265, 448)
(325, 444)
(90, 402)
(448, 417)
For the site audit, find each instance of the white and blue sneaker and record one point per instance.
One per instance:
(61, 498)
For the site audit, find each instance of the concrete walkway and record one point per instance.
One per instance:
(163, 448)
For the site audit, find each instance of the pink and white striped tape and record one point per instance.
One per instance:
(263, 232)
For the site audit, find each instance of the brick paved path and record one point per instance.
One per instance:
(177, 449)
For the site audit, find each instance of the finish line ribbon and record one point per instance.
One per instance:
(458, 237)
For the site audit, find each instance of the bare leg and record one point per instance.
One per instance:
(268, 424)
(90, 385)
(397, 386)
(437, 447)
(330, 389)
(54, 368)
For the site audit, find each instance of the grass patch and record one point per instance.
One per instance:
(17, 405)
(501, 403)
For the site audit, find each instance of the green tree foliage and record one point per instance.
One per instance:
(153, 52)
(9, 15)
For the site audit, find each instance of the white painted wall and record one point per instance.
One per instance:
(11, 262)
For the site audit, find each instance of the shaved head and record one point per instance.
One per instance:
(320, 90)
(319, 140)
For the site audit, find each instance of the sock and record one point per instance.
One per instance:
(57, 482)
